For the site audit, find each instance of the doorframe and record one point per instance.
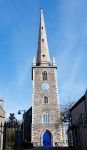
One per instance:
(41, 138)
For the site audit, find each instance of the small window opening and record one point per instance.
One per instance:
(46, 100)
(43, 55)
(42, 27)
(44, 74)
(42, 40)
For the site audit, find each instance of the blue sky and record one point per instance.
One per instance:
(66, 26)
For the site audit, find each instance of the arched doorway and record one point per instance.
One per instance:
(47, 139)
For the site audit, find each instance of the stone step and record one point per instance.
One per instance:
(52, 148)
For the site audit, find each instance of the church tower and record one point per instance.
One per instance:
(46, 129)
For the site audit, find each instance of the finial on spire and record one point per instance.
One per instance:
(41, 10)
(54, 62)
(34, 61)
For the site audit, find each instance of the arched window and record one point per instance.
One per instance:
(44, 74)
(46, 117)
(45, 99)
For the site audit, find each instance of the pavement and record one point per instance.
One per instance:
(52, 148)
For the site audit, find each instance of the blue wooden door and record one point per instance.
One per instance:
(47, 139)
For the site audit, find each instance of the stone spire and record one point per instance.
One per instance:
(43, 57)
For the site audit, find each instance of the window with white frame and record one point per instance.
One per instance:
(46, 117)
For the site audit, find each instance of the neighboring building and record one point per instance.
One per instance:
(46, 127)
(27, 117)
(2, 118)
(79, 124)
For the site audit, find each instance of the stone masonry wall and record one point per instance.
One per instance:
(38, 106)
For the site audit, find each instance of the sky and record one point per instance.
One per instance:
(66, 26)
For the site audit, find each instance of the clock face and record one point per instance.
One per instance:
(44, 86)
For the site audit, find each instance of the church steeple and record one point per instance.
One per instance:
(45, 100)
(43, 57)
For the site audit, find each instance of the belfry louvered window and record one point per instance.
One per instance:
(44, 74)
(46, 117)
(45, 99)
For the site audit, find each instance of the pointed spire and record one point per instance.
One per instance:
(43, 57)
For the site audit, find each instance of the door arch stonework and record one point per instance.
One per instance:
(46, 139)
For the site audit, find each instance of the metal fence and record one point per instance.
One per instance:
(12, 139)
